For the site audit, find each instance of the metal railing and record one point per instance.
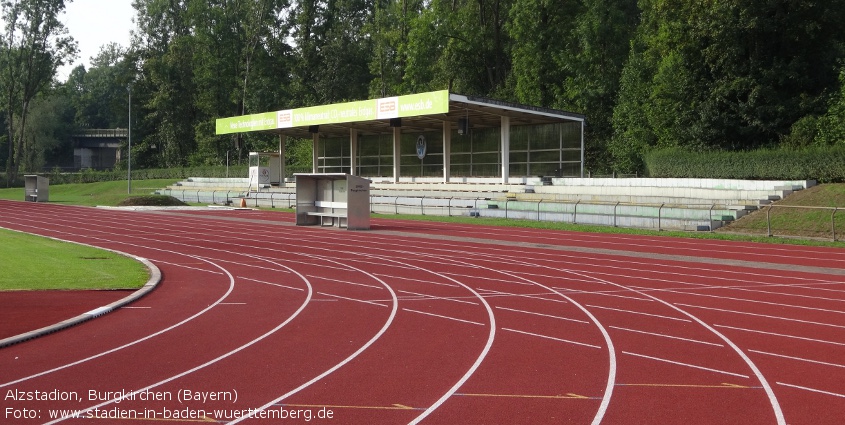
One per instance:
(833, 211)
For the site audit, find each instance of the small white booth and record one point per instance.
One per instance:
(265, 169)
(339, 199)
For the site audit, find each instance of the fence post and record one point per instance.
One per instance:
(575, 212)
(449, 207)
(538, 209)
(659, 217)
(769, 221)
(614, 213)
(396, 205)
(710, 214)
(422, 207)
(833, 222)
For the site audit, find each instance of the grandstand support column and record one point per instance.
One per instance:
(506, 149)
(582, 149)
(397, 138)
(353, 150)
(447, 150)
(315, 145)
(282, 140)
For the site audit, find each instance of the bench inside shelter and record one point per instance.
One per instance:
(334, 199)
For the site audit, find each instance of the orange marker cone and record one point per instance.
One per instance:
(243, 203)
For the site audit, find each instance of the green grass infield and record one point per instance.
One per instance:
(37, 263)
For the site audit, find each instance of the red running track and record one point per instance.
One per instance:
(260, 321)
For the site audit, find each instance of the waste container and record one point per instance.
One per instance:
(36, 188)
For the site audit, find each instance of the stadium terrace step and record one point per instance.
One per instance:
(682, 204)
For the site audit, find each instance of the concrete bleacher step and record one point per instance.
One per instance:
(688, 204)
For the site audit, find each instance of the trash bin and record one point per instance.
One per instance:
(36, 188)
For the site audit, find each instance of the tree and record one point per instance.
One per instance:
(724, 75)
(35, 44)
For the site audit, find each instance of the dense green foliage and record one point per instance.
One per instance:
(648, 74)
(825, 164)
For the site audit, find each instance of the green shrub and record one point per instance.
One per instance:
(824, 164)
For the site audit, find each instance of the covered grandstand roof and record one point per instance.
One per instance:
(427, 112)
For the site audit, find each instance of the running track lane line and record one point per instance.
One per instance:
(611, 374)
(763, 381)
(352, 356)
(137, 341)
(212, 361)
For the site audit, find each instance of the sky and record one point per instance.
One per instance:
(94, 23)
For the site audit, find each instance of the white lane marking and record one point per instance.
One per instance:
(797, 358)
(823, 341)
(489, 293)
(427, 282)
(344, 282)
(754, 301)
(339, 365)
(420, 296)
(553, 338)
(639, 313)
(270, 283)
(210, 362)
(812, 389)
(137, 341)
(351, 299)
(611, 374)
(443, 317)
(181, 265)
(685, 364)
(764, 315)
(667, 336)
(603, 293)
(543, 315)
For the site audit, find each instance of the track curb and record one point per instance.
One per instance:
(152, 283)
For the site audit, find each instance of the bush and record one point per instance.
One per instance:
(824, 164)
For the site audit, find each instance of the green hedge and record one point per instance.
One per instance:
(824, 164)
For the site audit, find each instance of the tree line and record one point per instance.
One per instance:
(728, 75)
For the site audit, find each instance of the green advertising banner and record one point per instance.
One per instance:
(436, 102)
(243, 123)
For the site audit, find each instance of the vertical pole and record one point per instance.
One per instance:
(129, 154)
(447, 150)
(315, 146)
(582, 149)
(397, 138)
(353, 151)
(282, 172)
(506, 149)
(833, 222)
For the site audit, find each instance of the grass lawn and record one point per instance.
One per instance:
(34, 262)
(31, 262)
(798, 216)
